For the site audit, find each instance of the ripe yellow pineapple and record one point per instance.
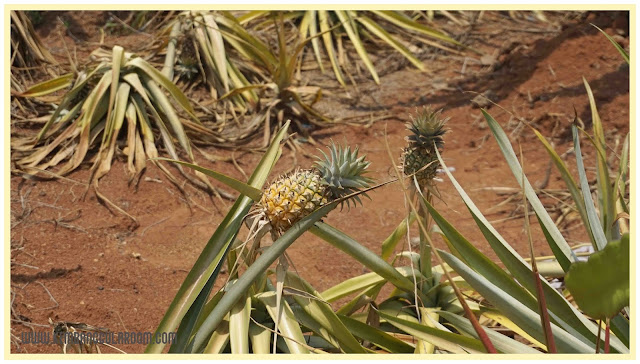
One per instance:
(427, 129)
(292, 197)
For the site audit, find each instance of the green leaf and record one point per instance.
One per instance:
(563, 313)
(592, 222)
(376, 336)
(502, 342)
(241, 187)
(389, 244)
(440, 338)
(363, 281)
(521, 315)
(363, 255)
(600, 285)
(569, 182)
(322, 313)
(623, 53)
(606, 197)
(288, 327)
(557, 243)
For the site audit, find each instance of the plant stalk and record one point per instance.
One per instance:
(425, 249)
(607, 334)
(542, 301)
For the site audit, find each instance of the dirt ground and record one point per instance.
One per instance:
(74, 260)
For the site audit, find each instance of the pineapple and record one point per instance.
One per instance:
(427, 129)
(292, 197)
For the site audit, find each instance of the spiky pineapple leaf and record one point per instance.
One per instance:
(592, 221)
(241, 187)
(623, 53)
(600, 285)
(455, 343)
(521, 315)
(557, 242)
(322, 313)
(376, 336)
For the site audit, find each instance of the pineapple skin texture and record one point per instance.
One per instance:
(416, 158)
(293, 197)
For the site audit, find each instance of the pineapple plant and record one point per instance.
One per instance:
(419, 157)
(292, 197)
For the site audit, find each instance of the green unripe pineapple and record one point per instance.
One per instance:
(292, 197)
(427, 129)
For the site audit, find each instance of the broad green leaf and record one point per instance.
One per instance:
(361, 299)
(214, 252)
(600, 285)
(479, 262)
(319, 331)
(49, 86)
(194, 317)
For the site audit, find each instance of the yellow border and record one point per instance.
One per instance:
(554, 7)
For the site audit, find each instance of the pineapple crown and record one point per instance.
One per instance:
(342, 171)
(427, 128)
